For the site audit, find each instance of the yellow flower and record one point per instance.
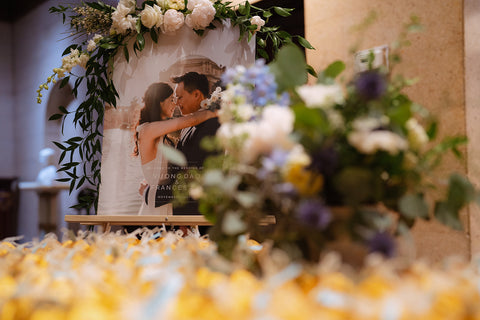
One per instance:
(305, 181)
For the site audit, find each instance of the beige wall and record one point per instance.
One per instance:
(436, 57)
(472, 107)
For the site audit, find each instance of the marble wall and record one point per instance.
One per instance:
(435, 57)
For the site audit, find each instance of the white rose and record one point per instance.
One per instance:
(259, 22)
(130, 4)
(417, 137)
(321, 96)
(172, 20)
(202, 14)
(373, 141)
(171, 4)
(151, 16)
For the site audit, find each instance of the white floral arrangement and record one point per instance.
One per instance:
(333, 162)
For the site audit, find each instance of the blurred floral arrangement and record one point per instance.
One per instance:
(336, 164)
(103, 31)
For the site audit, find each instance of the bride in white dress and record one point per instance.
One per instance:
(154, 125)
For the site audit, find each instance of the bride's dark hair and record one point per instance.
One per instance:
(156, 93)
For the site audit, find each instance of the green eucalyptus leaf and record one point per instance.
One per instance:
(230, 184)
(261, 43)
(447, 215)
(246, 199)
(267, 14)
(213, 177)
(173, 155)
(290, 68)
(413, 206)
(233, 224)
(154, 35)
(312, 71)
(55, 116)
(126, 54)
(460, 191)
(400, 114)
(304, 43)
(109, 45)
(331, 72)
(282, 11)
(140, 41)
(59, 145)
(64, 82)
(242, 9)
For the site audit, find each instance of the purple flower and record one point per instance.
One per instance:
(324, 161)
(383, 243)
(370, 85)
(314, 213)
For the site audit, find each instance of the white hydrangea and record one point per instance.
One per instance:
(92, 43)
(259, 137)
(171, 4)
(417, 137)
(370, 123)
(122, 21)
(369, 142)
(230, 102)
(259, 22)
(321, 96)
(335, 119)
(172, 20)
(151, 16)
(245, 112)
(202, 14)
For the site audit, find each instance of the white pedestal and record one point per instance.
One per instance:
(47, 208)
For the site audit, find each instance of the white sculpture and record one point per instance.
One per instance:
(48, 173)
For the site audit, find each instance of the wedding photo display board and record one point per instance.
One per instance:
(173, 55)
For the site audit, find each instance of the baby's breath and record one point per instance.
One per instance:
(90, 20)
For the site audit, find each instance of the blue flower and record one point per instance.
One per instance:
(371, 85)
(229, 76)
(260, 87)
(314, 213)
(276, 159)
(383, 243)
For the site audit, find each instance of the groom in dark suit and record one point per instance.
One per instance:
(192, 89)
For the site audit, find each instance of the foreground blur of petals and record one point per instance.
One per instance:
(165, 276)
